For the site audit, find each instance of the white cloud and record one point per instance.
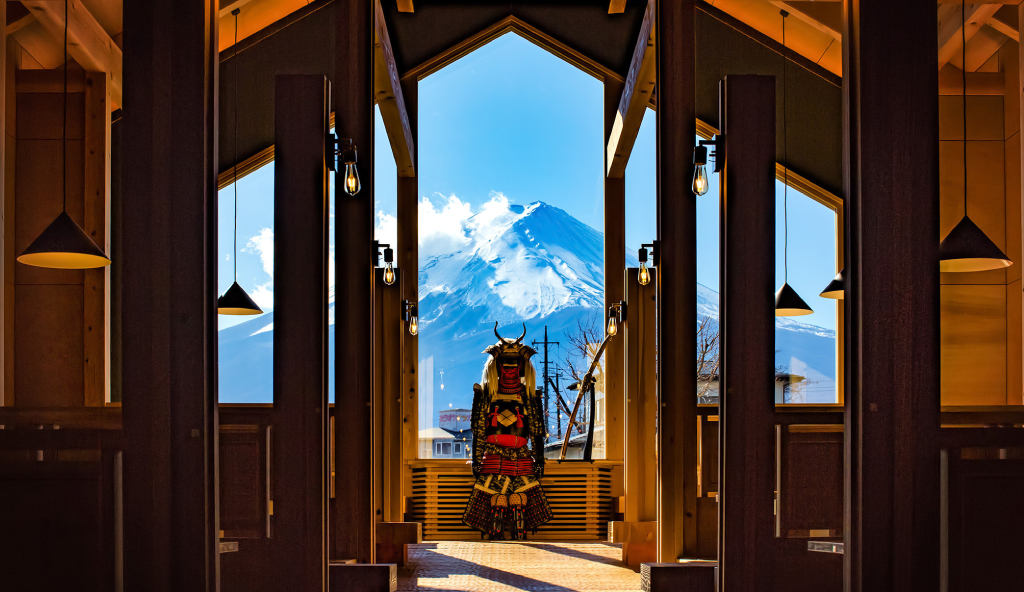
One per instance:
(263, 295)
(263, 244)
(441, 227)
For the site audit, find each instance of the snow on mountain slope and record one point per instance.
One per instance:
(514, 264)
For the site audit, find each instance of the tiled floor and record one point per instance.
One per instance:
(517, 566)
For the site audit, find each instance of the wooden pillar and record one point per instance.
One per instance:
(614, 268)
(352, 508)
(747, 335)
(408, 261)
(677, 283)
(387, 378)
(641, 405)
(300, 468)
(169, 309)
(890, 112)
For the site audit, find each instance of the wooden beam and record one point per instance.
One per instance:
(996, 23)
(229, 5)
(892, 482)
(404, 5)
(614, 268)
(982, 47)
(388, 89)
(950, 35)
(169, 323)
(88, 43)
(352, 516)
(747, 268)
(794, 10)
(37, 43)
(636, 94)
(300, 332)
(617, 6)
(677, 283)
(408, 258)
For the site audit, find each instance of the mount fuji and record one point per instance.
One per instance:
(513, 264)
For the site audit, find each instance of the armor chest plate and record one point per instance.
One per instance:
(507, 423)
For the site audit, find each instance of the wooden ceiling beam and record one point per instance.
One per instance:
(617, 6)
(388, 93)
(982, 47)
(807, 18)
(88, 43)
(636, 95)
(950, 34)
(1004, 28)
(405, 6)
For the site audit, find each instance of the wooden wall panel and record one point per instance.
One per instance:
(985, 523)
(49, 338)
(810, 491)
(973, 345)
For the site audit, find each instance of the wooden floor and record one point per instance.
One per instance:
(517, 566)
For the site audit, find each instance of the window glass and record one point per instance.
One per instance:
(246, 354)
(806, 346)
(510, 226)
(641, 227)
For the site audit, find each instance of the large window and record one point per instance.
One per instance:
(510, 228)
(806, 346)
(246, 342)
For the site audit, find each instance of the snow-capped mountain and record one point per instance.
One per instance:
(513, 264)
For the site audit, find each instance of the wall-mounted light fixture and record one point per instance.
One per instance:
(411, 315)
(616, 315)
(644, 276)
(389, 260)
(344, 151)
(701, 183)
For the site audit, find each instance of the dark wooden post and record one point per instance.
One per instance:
(891, 140)
(747, 329)
(408, 255)
(352, 517)
(677, 283)
(300, 485)
(170, 285)
(614, 291)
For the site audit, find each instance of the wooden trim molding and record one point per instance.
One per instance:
(524, 30)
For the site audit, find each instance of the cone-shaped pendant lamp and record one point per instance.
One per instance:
(967, 247)
(835, 289)
(787, 302)
(63, 244)
(235, 301)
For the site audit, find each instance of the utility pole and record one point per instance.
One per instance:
(547, 377)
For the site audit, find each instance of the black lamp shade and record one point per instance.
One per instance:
(789, 304)
(967, 248)
(835, 288)
(236, 302)
(64, 245)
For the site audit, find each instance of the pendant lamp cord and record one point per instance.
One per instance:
(963, 71)
(785, 158)
(235, 174)
(64, 125)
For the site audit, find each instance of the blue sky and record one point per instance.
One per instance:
(510, 118)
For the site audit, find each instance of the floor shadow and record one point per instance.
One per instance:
(578, 554)
(441, 565)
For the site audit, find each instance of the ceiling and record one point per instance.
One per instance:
(813, 30)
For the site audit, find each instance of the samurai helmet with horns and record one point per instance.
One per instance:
(510, 347)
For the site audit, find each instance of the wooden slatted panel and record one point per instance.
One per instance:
(579, 494)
